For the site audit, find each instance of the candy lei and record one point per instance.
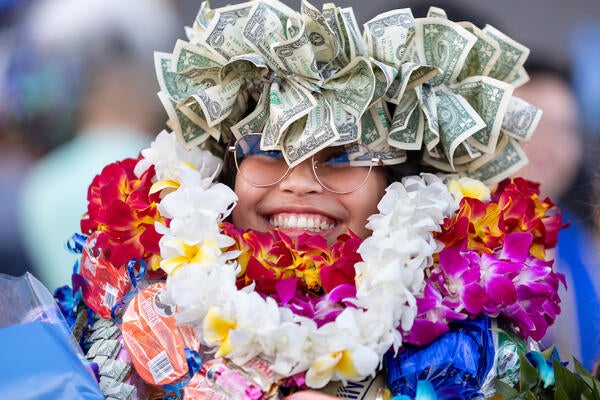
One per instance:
(241, 324)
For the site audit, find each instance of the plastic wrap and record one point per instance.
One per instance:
(40, 358)
(456, 364)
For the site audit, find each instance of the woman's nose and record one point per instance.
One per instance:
(301, 180)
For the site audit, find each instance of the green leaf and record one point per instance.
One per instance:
(580, 369)
(560, 394)
(507, 391)
(566, 380)
(528, 375)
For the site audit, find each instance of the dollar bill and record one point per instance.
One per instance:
(490, 97)
(203, 17)
(387, 35)
(436, 12)
(185, 129)
(176, 86)
(264, 28)
(190, 60)
(296, 56)
(345, 122)
(374, 125)
(458, 121)
(252, 67)
(222, 33)
(483, 55)
(383, 153)
(332, 15)
(325, 43)
(520, 119)
(520, 78)
(216, 102)
(445, 44)
(349, 93)
(407, 126)
(429, 106)
(303, 140)
(404, 110)
(255, 121)
(411, 75)
(384, 77)
(438, 160)
(512, 55)
(288, 102)
(356, 46)
(465, 153)
(508, 159)
(195, 114)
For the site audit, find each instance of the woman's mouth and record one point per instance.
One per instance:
(306, 222)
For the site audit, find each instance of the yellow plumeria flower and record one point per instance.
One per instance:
(215, 330)
(324, 368)
(206, 252)
(469, 187)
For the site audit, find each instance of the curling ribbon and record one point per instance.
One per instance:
(76, 243)
(135, 279)
(193, 361)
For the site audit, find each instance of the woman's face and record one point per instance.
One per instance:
(299, 204)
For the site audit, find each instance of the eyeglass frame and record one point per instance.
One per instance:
(375, 162)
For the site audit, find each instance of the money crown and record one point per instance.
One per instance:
(309, 79)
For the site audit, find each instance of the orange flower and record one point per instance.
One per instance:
(515, 207)
(271, 257)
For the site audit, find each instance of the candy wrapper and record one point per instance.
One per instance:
(367, 389)
(156, 344)
(103, 284)
(456, 364)
(220, 379)
(40, 358)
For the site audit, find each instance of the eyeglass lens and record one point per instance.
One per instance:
(339, 169)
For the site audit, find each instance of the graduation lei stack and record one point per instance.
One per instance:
(449, 294)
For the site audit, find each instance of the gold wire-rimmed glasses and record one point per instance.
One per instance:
(339, 169)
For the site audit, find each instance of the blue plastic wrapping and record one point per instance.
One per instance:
(456, 364)
(40, 359)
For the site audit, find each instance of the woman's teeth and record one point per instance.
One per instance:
(307, 222)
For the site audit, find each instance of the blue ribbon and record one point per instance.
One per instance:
(194, 361)
(175, 388)
(76, 243)
(136, 278)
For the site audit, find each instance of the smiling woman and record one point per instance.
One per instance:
(316, 259)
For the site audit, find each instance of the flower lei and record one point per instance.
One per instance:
(240, 323)
(457, 260)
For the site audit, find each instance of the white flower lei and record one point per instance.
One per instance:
(202, 279)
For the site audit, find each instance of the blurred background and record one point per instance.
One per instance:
(77, 91)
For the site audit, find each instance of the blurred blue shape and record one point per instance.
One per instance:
(585, 55)
(38, 362)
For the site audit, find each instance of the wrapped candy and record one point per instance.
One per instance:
(102, 284)
(153, 339)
